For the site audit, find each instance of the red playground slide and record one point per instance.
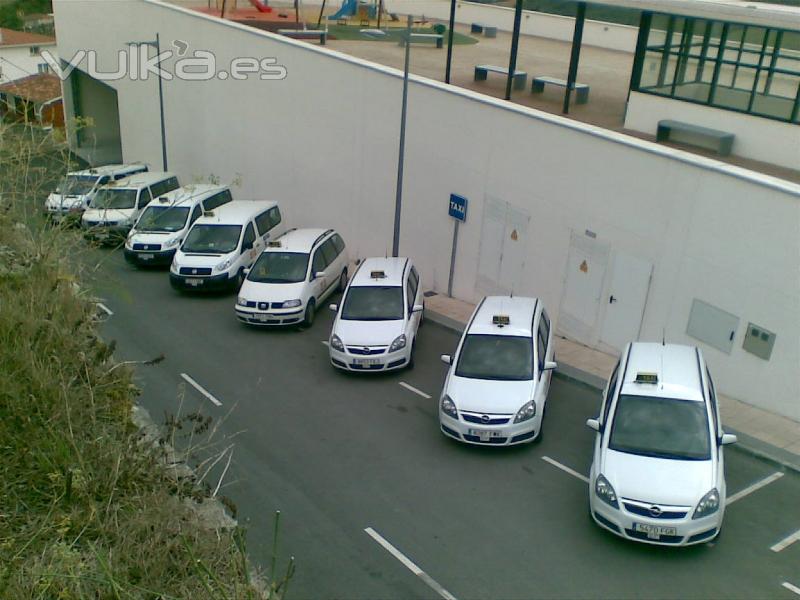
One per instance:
(261, 6)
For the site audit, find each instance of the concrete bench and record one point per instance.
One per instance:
(301, 34)
(489, 32)
(436, 38)
(482, 71)
(581, 89)
(721, 141)
(476, 28)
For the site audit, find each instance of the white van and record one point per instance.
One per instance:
(223, 243)
(165, 222)
(75, 192)
(117, 206)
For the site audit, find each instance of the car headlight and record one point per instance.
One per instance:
(449, 407)
(173, 267)
(241, 301)
(336, 343)
(224, 265)
(292, 303)
(604, 491)
(708, 504)
(398, 344)
(528, 411)
(171, 243)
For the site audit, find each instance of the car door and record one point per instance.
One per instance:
(249, 251)
(318, 276)
(415, 294)
(332, 266)
(542, 377)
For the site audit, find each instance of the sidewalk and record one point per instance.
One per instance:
(760, 432)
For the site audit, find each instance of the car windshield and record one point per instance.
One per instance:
(114, 198)
(661, 428)
(279, 267)
(212, 239)
(373, 303)
(163, 218)
(76, 185)
(503, 357)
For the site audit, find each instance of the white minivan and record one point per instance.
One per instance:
(165, 222)
(75, 192)
(117, 206)
(223, 243)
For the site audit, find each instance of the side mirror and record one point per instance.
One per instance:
(319, 274)
(333, 307)
(447, 359)
(727, 439)
(246, 271)
(417, 308)
(593, 424)
(247, 246)
(550, 365)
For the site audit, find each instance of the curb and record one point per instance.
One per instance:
(747, 443)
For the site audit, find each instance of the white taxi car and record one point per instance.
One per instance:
(496, 388)
(376, 324)
(293, 275)
(658, 474)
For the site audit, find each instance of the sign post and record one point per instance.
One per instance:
(457, 208)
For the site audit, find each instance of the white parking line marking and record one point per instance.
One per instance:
(409, 564)
(752, 488)
(791, 588)
(201, 389)
(105, 309)
(411, 388)
(325, 342)
(566, 469)
(786, 542)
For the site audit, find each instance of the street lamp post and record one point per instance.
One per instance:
(157, 45)
(401, 154)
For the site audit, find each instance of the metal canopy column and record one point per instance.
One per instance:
(512, 62)
(450, 41)
(577, 38)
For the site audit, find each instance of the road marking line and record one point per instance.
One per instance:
(409, 564)
(411, 388)
(325, 343)
(786, 542)
(566, 469)
(200, 389)
(791, 588)
(105, 309)
(756, 486)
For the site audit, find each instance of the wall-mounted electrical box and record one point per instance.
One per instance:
(712, 325)
(758, 341)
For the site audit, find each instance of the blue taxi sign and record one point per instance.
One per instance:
(458, 207)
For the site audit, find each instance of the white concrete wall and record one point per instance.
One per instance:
(324, 143)
(757, 138)
(557, 27)
(16, 62)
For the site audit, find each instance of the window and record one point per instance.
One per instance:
(409, 296)
(196, 213)
(216, 200)
(162, 187)
(745, 68)
(33, 50)
(373, 303)
(329, 251)
(318, 264)
(496, 357)
(103, 180)
(43, 68)
(413, 284)
(144, 197)
(546, 322)
(612, 385)
(712, 395)
(541, 336)
(263, 222)
(279, 267)
(249, 237)
(275, 216)
(338, 242)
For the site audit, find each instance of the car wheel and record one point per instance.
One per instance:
(343, 281)
(311, 311)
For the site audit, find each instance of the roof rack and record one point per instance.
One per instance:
(321, 236)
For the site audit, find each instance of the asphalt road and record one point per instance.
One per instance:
(338, 454)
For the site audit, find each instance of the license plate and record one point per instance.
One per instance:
(147, 256)
(265, 318)
(485, 434)
(194, 282)
(366, 361)
(654, 532)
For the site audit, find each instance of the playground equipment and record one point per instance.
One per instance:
(261, 6)
(348, 9)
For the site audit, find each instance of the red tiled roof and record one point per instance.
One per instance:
(12, 37)
(38, 88)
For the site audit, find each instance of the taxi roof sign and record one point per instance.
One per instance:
(274, 244)
(501, 320)
(377, 275)
(642, 377)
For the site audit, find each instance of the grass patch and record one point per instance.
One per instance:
(86, 509)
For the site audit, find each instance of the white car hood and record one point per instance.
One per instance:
(59, 201)
(104, 215)
(205, 261)
(658, 480)
(368, 333)
(271, 292)
(489, 396)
